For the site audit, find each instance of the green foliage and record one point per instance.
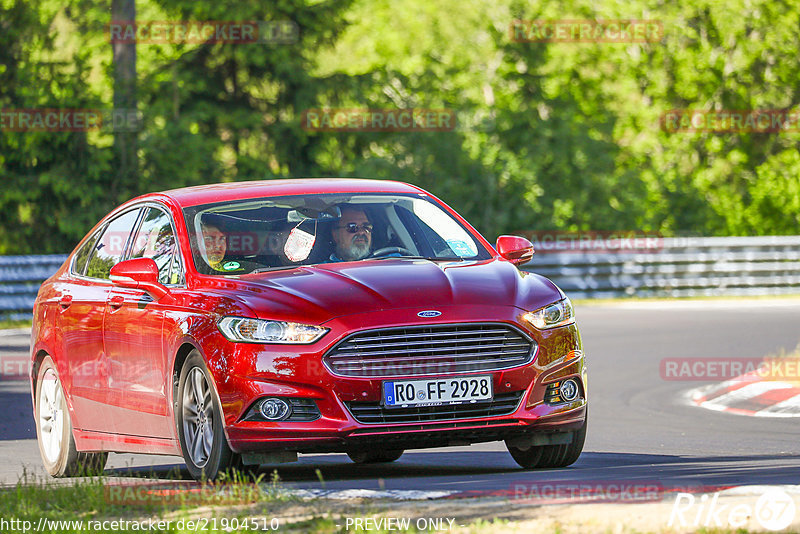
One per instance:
(52, 183)
(549, 135)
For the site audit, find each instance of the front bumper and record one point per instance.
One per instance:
(257, 371)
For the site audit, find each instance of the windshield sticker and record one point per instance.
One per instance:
(460, 248)
(231, 266)
(298, 245)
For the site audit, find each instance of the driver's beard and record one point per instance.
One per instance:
(355, 251)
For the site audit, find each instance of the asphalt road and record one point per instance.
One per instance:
(640, 428)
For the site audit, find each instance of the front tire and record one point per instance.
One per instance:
(54, 429)
(375, 457)
(200, 427)
(551, 456)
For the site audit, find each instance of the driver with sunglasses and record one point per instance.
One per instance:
(352, 235)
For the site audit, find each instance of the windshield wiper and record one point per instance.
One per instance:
(448, 258)
(277, 268)
(390, 257)
(455, 258)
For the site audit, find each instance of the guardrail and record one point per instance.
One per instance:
(20, 278)
(679, 267)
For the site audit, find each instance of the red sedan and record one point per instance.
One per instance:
(246, 323)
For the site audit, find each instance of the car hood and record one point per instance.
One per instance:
(316, 294)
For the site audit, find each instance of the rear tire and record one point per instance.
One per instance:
(57, 447)
(200, 426)
(551, 456)
(375, 457)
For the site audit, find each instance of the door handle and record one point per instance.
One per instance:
(116, 301)
(65, 301)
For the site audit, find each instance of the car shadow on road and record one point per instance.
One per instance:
(481, 470)
(17, 421)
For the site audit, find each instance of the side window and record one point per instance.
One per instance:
(176, 273)
(108, 250)
(156, 240)
(82, 256)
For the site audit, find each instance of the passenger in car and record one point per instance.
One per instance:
(215, 242)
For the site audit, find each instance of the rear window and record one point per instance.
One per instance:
(82, 256)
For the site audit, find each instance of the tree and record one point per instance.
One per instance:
(125, 146)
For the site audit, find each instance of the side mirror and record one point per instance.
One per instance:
(141, 273)
(515, 249)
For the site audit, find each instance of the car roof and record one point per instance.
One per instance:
(204, 194)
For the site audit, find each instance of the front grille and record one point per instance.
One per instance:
(430, 350)
(375, 413)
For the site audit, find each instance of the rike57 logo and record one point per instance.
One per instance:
(774, 510)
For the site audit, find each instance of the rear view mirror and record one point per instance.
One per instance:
(313, 214)
(515, 249)
(140, 273)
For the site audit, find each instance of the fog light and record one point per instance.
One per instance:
(569, 390)
(275, 409)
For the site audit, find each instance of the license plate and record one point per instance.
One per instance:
(456, 390)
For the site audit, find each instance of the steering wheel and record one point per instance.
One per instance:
(385, 251)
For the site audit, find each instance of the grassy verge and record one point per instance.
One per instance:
(178, 507)
(101, 504)
(17, 323)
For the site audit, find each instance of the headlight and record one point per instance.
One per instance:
(262, 331)
(558, 314)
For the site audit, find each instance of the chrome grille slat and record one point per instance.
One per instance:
(424, 358)
(430, 361)
(375, 413)
(357, 345)
(455, 333)
(375, 368)
(431, 350)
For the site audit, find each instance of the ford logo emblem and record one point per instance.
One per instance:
(429, 313)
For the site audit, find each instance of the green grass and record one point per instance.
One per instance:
(18, 323)
(88, 500)
(32, 498)
(85, 500)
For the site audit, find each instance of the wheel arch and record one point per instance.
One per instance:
(36, 363)
(186, 347)
(182, 354)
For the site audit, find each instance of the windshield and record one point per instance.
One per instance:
(255, 235)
